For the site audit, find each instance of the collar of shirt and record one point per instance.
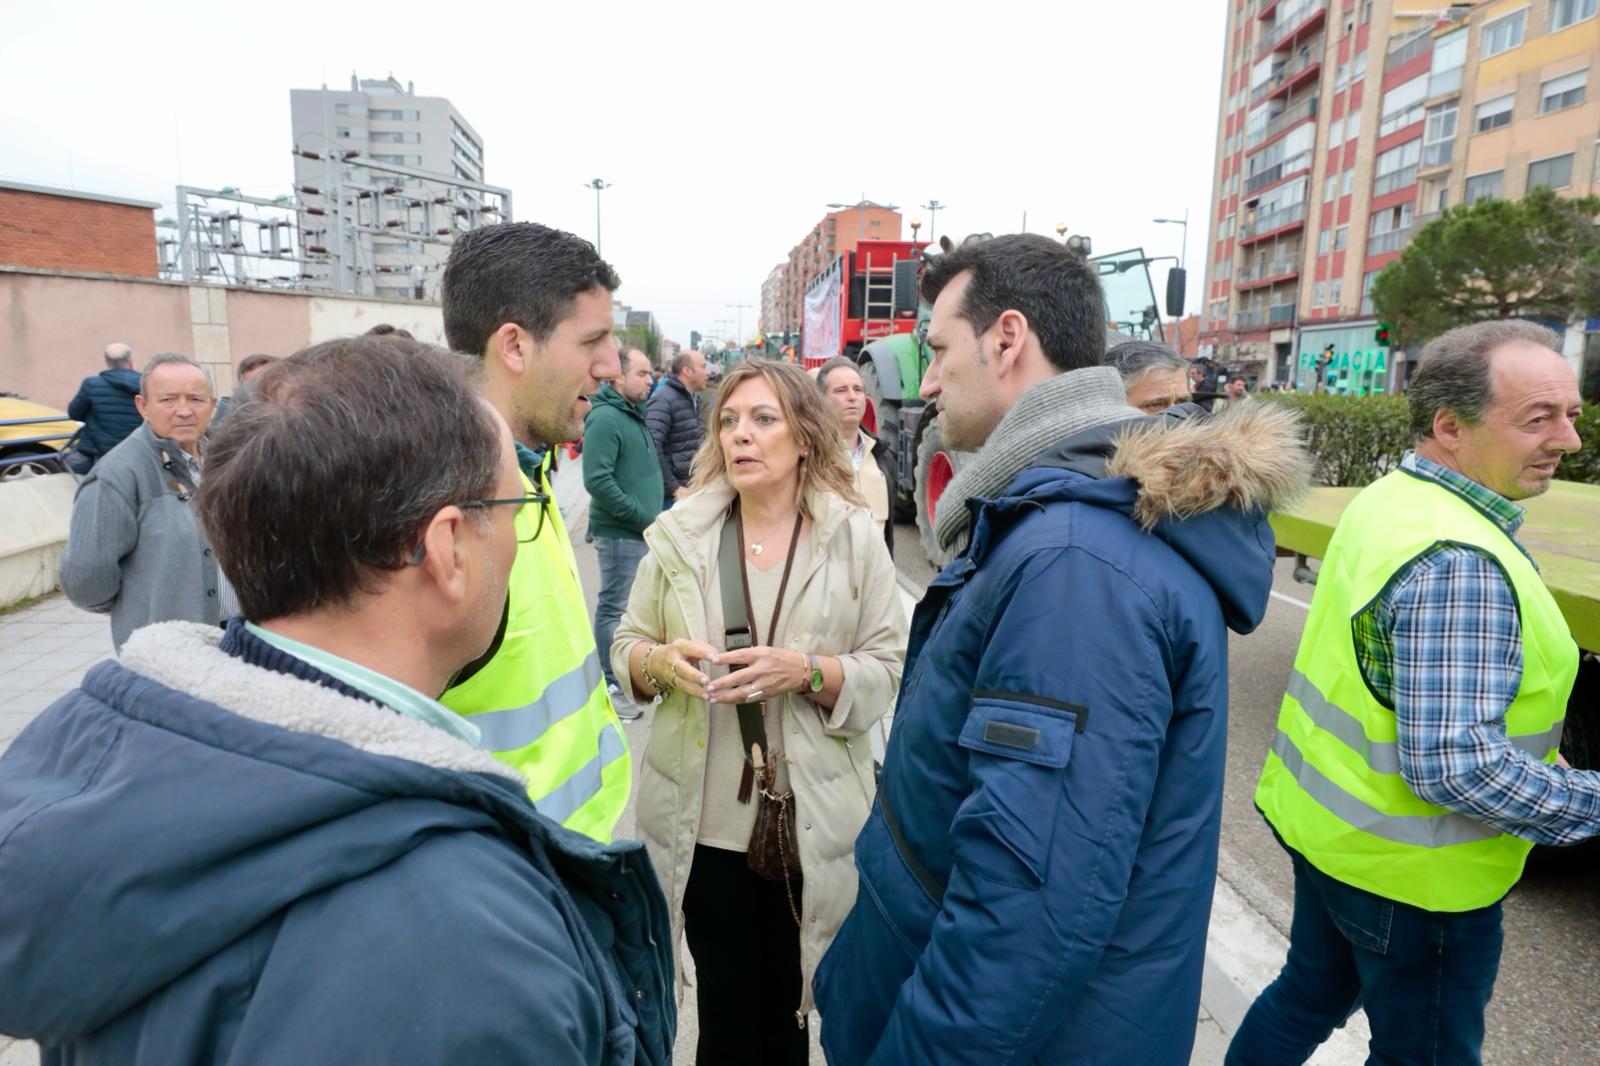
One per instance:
(529, 460)
(1499, 510)
(393, 694)
(859, 451)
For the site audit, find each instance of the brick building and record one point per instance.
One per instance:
(43, 228)
(1347, 124)
(837, 232)
(772, 317)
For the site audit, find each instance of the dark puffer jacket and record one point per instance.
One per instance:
(104, 404)
(676, 425)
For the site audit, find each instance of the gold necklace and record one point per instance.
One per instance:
(755, 545)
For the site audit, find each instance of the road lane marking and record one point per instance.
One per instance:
(1302, 604)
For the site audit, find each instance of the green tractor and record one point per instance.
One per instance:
(892, 369)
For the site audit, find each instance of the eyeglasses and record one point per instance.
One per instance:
(539, 499)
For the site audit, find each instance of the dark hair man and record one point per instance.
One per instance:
(1155, 376)
(534, 305)
(1416, 760)
(676, 423)
(279, 847)
(841, 385)
(134, 550)
(1036, 880)
(104, 404)
(250, 367)
(624, 482)
(384, 329)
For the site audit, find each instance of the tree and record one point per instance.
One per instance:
(643, 338)
(1538, 257)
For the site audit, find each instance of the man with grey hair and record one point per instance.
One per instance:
(134, 549)
(1416, 760)
(104, 404)
(1155, 376)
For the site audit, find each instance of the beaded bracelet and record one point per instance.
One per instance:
(650, 678)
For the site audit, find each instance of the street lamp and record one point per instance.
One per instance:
(739, 338)
(598, 186)
(1183, 252)
(1061, 230)
(916, 224)
(933, 207)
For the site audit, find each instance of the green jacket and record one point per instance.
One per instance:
(620, 468)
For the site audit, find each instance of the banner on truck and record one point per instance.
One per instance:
(819, 325)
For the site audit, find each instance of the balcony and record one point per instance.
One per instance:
(1258, 274)
(1438, 153)
(1293, 22)
(1393, 241)
(1259, 317)
(1399, 179)
(1262, 225)
(1286, 76)
(1422, 220)
(1276, 173)
(1295, 115)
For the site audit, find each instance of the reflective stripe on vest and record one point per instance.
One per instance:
(540, 703)
(1332, 785)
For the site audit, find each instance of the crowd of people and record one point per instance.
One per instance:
(349, 791)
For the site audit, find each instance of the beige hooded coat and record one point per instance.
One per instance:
(845, 604)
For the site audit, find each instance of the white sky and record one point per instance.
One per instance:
(723, 128)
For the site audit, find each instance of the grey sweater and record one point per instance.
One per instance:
(135, 549)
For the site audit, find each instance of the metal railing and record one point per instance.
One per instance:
(1289, 19)
(1409, 48)
(1261, 179)
(46, 452)
(1305, 109)
(1274, 315)
(1277, 268)
(1265, 223)
(1393, 241)
(1286, 71)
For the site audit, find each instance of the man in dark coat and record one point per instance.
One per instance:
(272, 844)
(1036, 876)
(676, 423)
(104, 404)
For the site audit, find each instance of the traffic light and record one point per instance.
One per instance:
(694, 338)
(1382, 336)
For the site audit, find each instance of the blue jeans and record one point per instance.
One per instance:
(619, 561)
(1424, 978)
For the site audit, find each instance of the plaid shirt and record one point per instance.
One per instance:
(1443, 645)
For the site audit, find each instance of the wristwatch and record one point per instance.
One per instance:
(815, 685)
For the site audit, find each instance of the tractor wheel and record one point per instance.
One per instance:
(936, 467)
(882, 420)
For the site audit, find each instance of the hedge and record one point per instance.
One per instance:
(1358, 439)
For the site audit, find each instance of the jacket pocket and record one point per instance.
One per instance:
(1018, 747)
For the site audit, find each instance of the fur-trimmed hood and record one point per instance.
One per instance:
(1202, 483)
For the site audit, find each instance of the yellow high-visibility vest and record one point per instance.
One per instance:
(1332, 786)
(540, 703)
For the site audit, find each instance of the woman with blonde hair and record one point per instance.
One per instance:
(767, 619)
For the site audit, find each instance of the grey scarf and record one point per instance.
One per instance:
(1047, 413)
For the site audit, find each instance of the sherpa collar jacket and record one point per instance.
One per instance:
(1056, 762)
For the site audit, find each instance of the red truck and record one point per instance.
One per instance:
(865, 294)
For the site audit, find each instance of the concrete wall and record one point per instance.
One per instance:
(54, 326)
(38, 512)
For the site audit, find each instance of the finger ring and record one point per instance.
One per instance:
(755, 694)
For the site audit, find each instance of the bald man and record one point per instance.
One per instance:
(104, 404)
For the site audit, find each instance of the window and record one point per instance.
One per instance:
(1439, 134)
(1388, 230)
(402, 160)
(1324, 241)
(342, 132)
(1366, 291)
(341, 109)
(1564, 13)
(1556, 173)
(1341, 77)
(394, 116)
(1503, 34)
(396, 138)
(1341, 238)
(1335, 133)
(1359, 70)
(1449, 53)
(1396, 168)
(1319, 294)
(1349, 181)
(1492, 114)
(1558, 94)
(1330, 188)
(1402, 105)
(1482, 185)
(1335, 291)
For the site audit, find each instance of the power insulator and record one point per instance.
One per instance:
(311, 190)
(316, 249)
(316, 211)
(308, 155)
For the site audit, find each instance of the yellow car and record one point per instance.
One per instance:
(34, 439)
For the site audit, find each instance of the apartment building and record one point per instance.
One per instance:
(772, 315)
(1347, 124)
(385, 121)
(837, 232)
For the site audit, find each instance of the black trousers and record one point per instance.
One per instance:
(747, 963)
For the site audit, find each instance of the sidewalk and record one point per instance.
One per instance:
(47, 646)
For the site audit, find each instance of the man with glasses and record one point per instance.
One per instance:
(534, 304)
(273, 844)
(134, 550)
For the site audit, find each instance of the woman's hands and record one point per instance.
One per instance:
(674, 663)
(760, 673)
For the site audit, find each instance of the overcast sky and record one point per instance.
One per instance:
(724, 129)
